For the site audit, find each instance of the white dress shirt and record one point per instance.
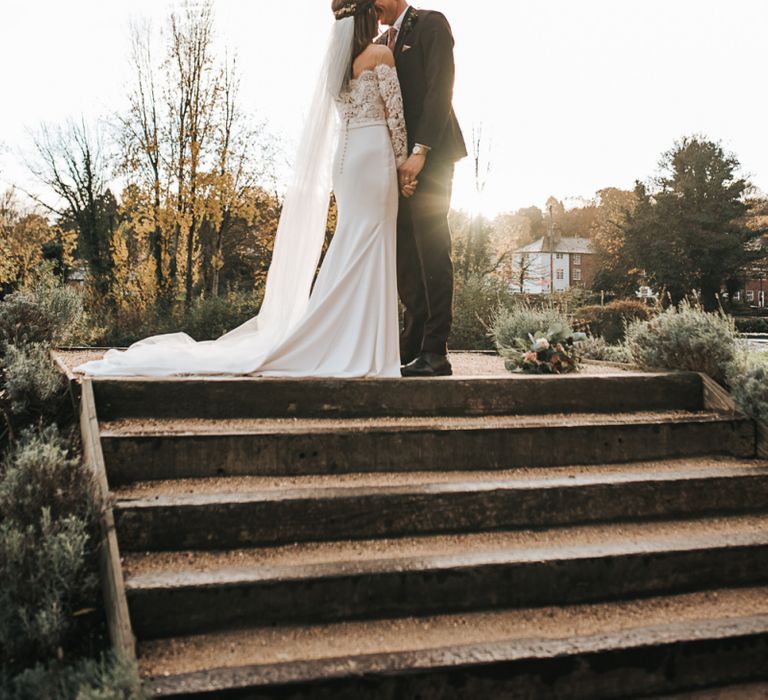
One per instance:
(399, 21)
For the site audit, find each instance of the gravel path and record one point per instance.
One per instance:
(465, 364)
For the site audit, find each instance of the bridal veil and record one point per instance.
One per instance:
(297, 250)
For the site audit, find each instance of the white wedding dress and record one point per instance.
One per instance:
(348, 326)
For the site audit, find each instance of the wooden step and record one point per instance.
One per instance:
(239, 397)
(583, 652)
(251, 511)
(147, 450)
(742, 691)
(189, 592)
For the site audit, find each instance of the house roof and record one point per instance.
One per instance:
(580, 246)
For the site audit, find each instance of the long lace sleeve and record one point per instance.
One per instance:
(389, 88)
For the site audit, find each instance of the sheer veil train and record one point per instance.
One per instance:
(297, 250)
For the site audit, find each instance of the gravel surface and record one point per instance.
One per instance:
(465, 364)
(197, 426)
(282, 644)
(263, 484)
(558, 542)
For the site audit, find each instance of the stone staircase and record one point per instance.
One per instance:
(513, 537)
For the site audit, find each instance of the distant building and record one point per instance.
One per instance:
(554, 264)
(76, 276)
(754, 288)
(754, 293)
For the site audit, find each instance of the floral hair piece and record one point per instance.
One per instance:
(352, 8)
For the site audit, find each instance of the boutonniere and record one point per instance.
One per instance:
(410, 20)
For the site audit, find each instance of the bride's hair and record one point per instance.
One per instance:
(366, 22)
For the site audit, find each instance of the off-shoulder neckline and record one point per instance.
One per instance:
(370, 70)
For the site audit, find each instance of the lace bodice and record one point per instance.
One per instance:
(374, 96)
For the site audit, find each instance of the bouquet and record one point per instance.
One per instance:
(546, 352)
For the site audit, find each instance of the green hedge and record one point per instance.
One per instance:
(752, 325)
(609, 321)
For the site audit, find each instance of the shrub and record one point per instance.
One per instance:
(24, 321)
(41, 574)
(49, 605)
(565, 301)
(39, 473)
(32, 381)
(46, 313)
(747, 377)
(476, 302)
(512, 325)
(108, 678)
(596, 348)
(211, 318)
(65, 305)
(47, 523)
(608, 322)
(206, 319)
(686, 338)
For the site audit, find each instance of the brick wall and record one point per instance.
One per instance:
(756, 286)
(588, 269)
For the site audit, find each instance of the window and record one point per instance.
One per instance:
(577, 259)
(558, 256)
(761, 298)
(560, 275)
(737, 296)
(577, 275)
(750, 295)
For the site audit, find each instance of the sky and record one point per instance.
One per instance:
(572, 96)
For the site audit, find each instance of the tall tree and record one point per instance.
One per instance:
(616, 273)
(72, 163)
(522, 268)
(194, 160)
(686, 231)
(193, 92)
(472, 233)
(141, 141)
(243, 157)
(26, 240)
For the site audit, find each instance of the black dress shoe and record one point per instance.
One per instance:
(428, 364)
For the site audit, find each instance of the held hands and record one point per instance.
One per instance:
(408, 191)
(408, 173)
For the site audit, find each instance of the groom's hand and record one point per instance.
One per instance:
(408, 190)
(410, 170)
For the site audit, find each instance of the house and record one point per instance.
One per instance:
(76, 276)
(755, 292)
(553, 264)
(754, 282)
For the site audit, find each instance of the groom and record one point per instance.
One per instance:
(423, 46)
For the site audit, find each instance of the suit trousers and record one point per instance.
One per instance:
(424, 264)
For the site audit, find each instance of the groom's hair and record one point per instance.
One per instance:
(366, 22)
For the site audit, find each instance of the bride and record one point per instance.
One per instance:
(348, 325)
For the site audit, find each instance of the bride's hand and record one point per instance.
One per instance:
(411, 169)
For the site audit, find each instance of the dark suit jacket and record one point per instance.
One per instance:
(425, 66)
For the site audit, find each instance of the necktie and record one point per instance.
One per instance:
(392, 39)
